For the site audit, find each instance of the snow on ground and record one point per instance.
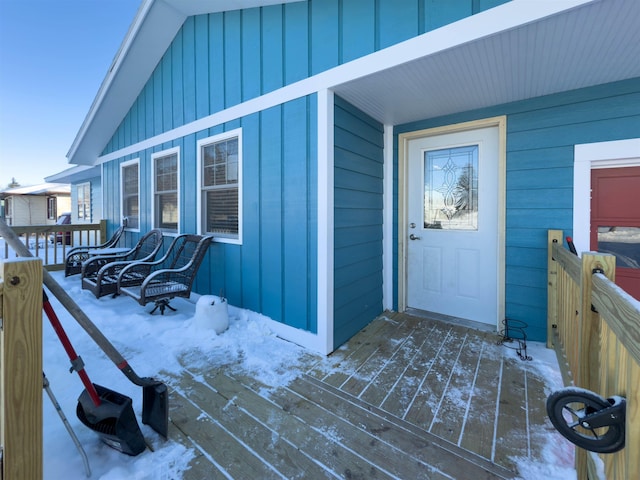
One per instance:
(150, 344)
(153, 344)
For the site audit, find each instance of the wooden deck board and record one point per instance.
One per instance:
(479, 426)
(434, 383)
(512, 439)
(407, 397)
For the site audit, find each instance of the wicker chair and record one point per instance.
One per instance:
(100, 274)
(76, 256)
(165, 279)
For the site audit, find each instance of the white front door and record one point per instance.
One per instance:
(453, 225)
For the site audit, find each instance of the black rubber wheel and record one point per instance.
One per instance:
(566, 408)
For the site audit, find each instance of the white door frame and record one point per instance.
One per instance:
(403, 159)
(587, 156)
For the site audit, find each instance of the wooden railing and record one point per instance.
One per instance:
(21, 369)
(42, 240)
(595, 328)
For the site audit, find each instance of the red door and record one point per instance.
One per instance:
(615, 222)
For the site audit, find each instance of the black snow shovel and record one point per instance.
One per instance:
(155, 398)
(108, 413)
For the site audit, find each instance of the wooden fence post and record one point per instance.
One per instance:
(21, 369)
(589, 341)
(553, 236)
(103, 231)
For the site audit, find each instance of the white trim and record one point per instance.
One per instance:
(123, 165)
(165, 153)
(587, 156)
(325, 300)
(502, 18)
(207, 141)
(387, 221)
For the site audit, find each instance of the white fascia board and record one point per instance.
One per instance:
(490, 22)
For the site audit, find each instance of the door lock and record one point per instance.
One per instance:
(413, 237)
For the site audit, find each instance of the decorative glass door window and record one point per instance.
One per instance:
(451, 188)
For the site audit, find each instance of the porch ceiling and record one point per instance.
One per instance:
(591, 44)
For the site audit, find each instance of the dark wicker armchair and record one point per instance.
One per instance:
(76, 256)
(170, 277)
(100, 274)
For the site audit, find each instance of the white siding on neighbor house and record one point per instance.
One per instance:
(28, 210)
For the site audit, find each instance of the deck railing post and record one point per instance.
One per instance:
(553, 237)
(103, 232)
(589, 341)
(21, 369)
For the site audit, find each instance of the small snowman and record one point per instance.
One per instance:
(211, 313)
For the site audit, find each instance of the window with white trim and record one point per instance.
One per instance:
(130, 191)
(83, 202)
(165, 191)
(220, 183)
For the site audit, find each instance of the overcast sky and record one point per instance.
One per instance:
(54, 55)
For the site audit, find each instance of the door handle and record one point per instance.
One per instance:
(413, 237)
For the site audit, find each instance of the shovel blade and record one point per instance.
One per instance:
(113, 420)
(155, 407)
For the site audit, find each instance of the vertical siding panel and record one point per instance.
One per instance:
(149, 112)
(442, 12)
(167, 92)
(251, 69)
(201, 59)
(216, 62)
(251, 248)
(188, 186)
(131, 125)
(397, 23)
(146, 188)
(177, 83)
(189, 70)
(158, 109)
(296, 45)
(142, 115)
(312, 214)
(325, 35)
(271, 212)
(232, 59)
(358, 29)
(272, 48)
(295, 212)
(487, 4)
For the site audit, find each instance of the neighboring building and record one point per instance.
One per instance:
(35, 205)
(355, 156)
(86, 192)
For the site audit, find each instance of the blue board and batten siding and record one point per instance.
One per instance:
(279, 213)
(541, 135)
(358, 215)
(219, 60)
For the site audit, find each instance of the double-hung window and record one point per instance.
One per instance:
(84, 202)
(220, 173)
(165, 191)
(130, 190)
